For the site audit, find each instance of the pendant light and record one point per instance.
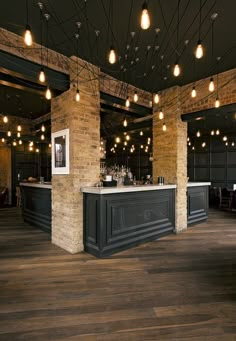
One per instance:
(193, 92)
(177, 70)
(161, 115)
(212, 133)
(141, 133)
(217, 101)
(3, 140)
(27, 35)
(112, 55)
(5, 119)
(199, 49)
(164, 127)
(14, 143)
(145, 19)
(43, 129)
(77, 95)
(135, 96)
(198, 134)
(42, 77)
(42, 137)
(211, 87)
(125, 123)
(20, 142)
(127, 102)
(18, 134)
(9, 133)
(217, 132)
(19, 127)
(48, 93)
(213, 18)
(156, 98)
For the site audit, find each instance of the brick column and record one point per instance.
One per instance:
(170, 151)
(83, 120)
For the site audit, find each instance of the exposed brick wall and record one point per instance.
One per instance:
(83, 121)
(170, 151)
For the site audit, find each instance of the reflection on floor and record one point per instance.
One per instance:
(181, 287)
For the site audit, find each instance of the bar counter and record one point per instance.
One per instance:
(117, 218)
(197, 202)
(36, 204)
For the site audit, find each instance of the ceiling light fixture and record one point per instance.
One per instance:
(199, 49)
(28, 35)
(198, 134)
(125, 123)
(217, 101)
(212, 132)
(193, 92)
(77, 94)
(135, 96)
(164, 127)
(145, 19)
(19, 127)
(217, 132)
(9, 133)
(127, 102)
(211, 85)
(43, 128)
(5, 119)
(156, 98)
(48, 93)
(177, 70)
(42, 77)
(112, 55)
(141, 133)
(161, 115)
(18, 134)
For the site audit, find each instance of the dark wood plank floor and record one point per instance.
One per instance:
(181, 287)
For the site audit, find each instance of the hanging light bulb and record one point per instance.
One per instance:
(127, 137)
(232, 144)
(117, 139)
(31, 148)
(5, 119)
(203, 144)
(125, 143)
(112, 55)
(42, 137)
(135, 96)
(198, 133)
(43, 129)
(164, 127)
(199, 50)
(19, 127)
(225, 138)
(217, 103)
(217, 132)
(141, 133)
(193, 148)
(226, 143)
(3, 140)
(77, 96)
(37, 150)
(193, 92)
(31, 144)
(176, 72)
(9, 133)
(212, 132)
(20, 142)
(50, 145)
(211, 85)
(18, 134)
(161, 115)
(28, 36)
(48, 94)
(42, 77)
(145, 19)
(127, 102)
(125, 123)
(156, 98)
(14, 143)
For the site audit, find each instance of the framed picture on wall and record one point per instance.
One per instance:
(60, 152)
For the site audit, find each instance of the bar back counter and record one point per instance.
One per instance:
(120, 217)
(36, 204)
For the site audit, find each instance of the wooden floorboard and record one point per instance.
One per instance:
(180, 287)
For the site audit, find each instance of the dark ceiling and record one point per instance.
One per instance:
(146, 58)
(140, 60)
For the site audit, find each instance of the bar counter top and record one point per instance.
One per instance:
(123, 189)
(47, 185)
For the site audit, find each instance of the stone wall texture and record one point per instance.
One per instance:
(83, 120)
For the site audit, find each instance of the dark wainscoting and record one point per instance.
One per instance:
(114, 222)
(36, 204)
(197, 204)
